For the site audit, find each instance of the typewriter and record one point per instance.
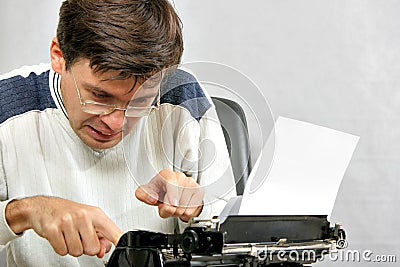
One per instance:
(231, 240)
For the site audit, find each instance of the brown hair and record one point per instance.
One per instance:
(135, 37)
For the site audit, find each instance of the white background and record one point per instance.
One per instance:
(334, 63)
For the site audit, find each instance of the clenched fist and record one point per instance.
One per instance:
(175, 194)
(70, 227)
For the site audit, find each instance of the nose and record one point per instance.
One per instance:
(114, 120)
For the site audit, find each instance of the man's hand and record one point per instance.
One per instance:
(70, 227)
(175, 194)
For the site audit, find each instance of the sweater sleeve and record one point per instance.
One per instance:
(6, 234)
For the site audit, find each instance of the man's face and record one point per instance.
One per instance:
(97, 131)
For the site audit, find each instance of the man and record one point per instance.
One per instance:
(67, 193)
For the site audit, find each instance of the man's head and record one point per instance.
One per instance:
(112, 46)
(133, 37)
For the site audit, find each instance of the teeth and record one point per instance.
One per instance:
(104, 133)
(107, 134)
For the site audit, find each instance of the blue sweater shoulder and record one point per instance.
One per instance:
(182, 89)
(20, 94)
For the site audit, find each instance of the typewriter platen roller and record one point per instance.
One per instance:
(233, 241)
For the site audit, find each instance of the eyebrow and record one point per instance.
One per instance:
(101, 90)
(144, 97)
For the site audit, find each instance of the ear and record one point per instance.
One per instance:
(56, 56)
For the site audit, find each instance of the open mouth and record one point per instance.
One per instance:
(102, 136)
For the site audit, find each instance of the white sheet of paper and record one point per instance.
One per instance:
(308, 167)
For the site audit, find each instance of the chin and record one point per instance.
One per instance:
(94, 144)
(102, 146)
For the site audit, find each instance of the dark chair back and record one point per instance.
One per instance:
(234, 126)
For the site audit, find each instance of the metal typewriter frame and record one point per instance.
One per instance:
(203, 243)
(269, 253)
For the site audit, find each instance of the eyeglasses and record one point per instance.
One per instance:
(137, 107)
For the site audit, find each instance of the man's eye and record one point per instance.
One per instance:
(99, 95)
(140, 101)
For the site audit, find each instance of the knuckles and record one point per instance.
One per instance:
(188, 192)
(50, 230)
(66, 220)
(178, 178)
(70, 219)
(60, 218)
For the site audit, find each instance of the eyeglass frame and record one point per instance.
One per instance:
(146, 111)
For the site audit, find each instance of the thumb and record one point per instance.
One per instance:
(107, 229)
(105, 246)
